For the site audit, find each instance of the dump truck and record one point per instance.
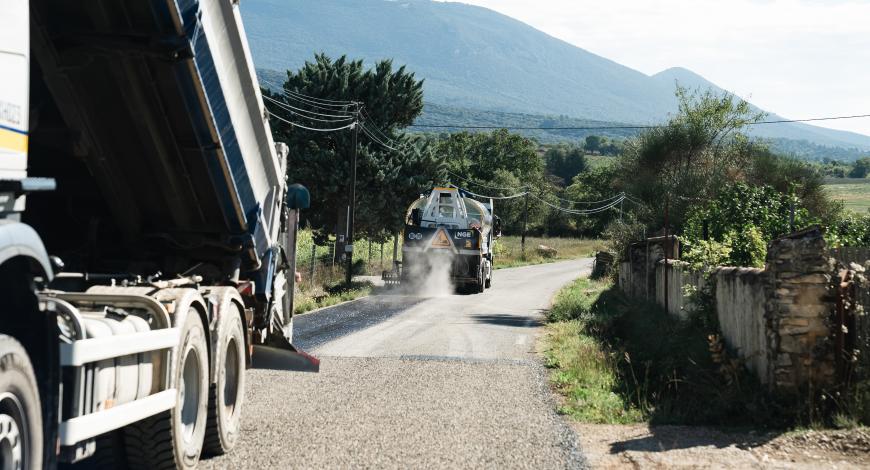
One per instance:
(448, 232)
(147, 231)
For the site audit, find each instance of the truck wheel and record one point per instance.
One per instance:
(226, 397)
(480, 286)
(489, 276)
(20, 412)
(174, 439)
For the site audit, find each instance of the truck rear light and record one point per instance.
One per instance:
(246, 288)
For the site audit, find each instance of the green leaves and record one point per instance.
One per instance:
(387, 179)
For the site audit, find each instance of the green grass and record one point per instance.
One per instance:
(327, 289)
(508, 252)
(855, 193)
(584, 370)
(600, 161)
(617, 360)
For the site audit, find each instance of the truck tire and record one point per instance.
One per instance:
(20, 409)
(489, 275)
(174, 439)
(226, 396)
(480, 285)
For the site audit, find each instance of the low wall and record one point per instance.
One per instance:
(680, 280)
(778, 320)
(740, 301)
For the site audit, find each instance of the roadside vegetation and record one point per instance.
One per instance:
(509, 254)
(616, 361)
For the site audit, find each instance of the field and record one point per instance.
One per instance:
(508, 252)
(855, 193)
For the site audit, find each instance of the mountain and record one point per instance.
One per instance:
(476, 59)
(791, 131)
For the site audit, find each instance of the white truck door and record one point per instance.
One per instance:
(14, 84)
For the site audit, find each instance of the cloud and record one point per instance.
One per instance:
(798, 58)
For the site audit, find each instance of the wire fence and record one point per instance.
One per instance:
(321, 265)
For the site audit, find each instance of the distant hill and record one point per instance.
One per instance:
(476, 59)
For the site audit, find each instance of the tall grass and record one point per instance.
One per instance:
(617, 360)
(508, 250)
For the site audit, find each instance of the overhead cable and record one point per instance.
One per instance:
(326, 107)
(295, 124)
(626, 127)
(584, 211)
(303, 112)
(590, 202)
(514, 196)
(326, 102)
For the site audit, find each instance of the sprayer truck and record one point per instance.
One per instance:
(136, 134)
(448, 232)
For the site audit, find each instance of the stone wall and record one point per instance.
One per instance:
(798, 310)
(778, 320)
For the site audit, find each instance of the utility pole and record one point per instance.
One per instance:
(525, 222)
(348, 247)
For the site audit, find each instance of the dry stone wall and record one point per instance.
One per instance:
(779, 320)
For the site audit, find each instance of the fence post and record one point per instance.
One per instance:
(313, 262)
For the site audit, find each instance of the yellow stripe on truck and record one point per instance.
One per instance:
(14, 141)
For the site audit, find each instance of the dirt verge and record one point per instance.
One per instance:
(644, 446)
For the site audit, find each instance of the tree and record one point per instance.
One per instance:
(861, 168)
(498, 163)
(593, 143)
(691, 158)
(565, 163)
(387, 180)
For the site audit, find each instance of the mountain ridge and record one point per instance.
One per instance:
(475, 58)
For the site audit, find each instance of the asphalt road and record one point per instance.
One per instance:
(450, 381)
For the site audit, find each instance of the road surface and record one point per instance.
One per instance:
(411, 382)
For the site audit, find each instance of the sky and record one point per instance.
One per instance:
(797, 58)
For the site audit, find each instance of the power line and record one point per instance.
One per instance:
(371, 122)
(590, 202)
(303, 112)
(307, 101)
(295, 124)
(374, 138)
(514, 196)
(584, 211)
(634, 127)
(326, 102)
(499, 188)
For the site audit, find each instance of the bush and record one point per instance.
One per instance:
(748, 247)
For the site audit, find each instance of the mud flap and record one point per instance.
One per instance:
(279, 354)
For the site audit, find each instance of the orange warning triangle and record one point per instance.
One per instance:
(441, 240)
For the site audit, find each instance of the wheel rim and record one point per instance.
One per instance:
(190, 394)
(232, 372)
(13, 443)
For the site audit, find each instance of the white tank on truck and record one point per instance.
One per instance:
(452, 232)
(164, 203)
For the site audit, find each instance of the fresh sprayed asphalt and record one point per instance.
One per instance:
(450, 381)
